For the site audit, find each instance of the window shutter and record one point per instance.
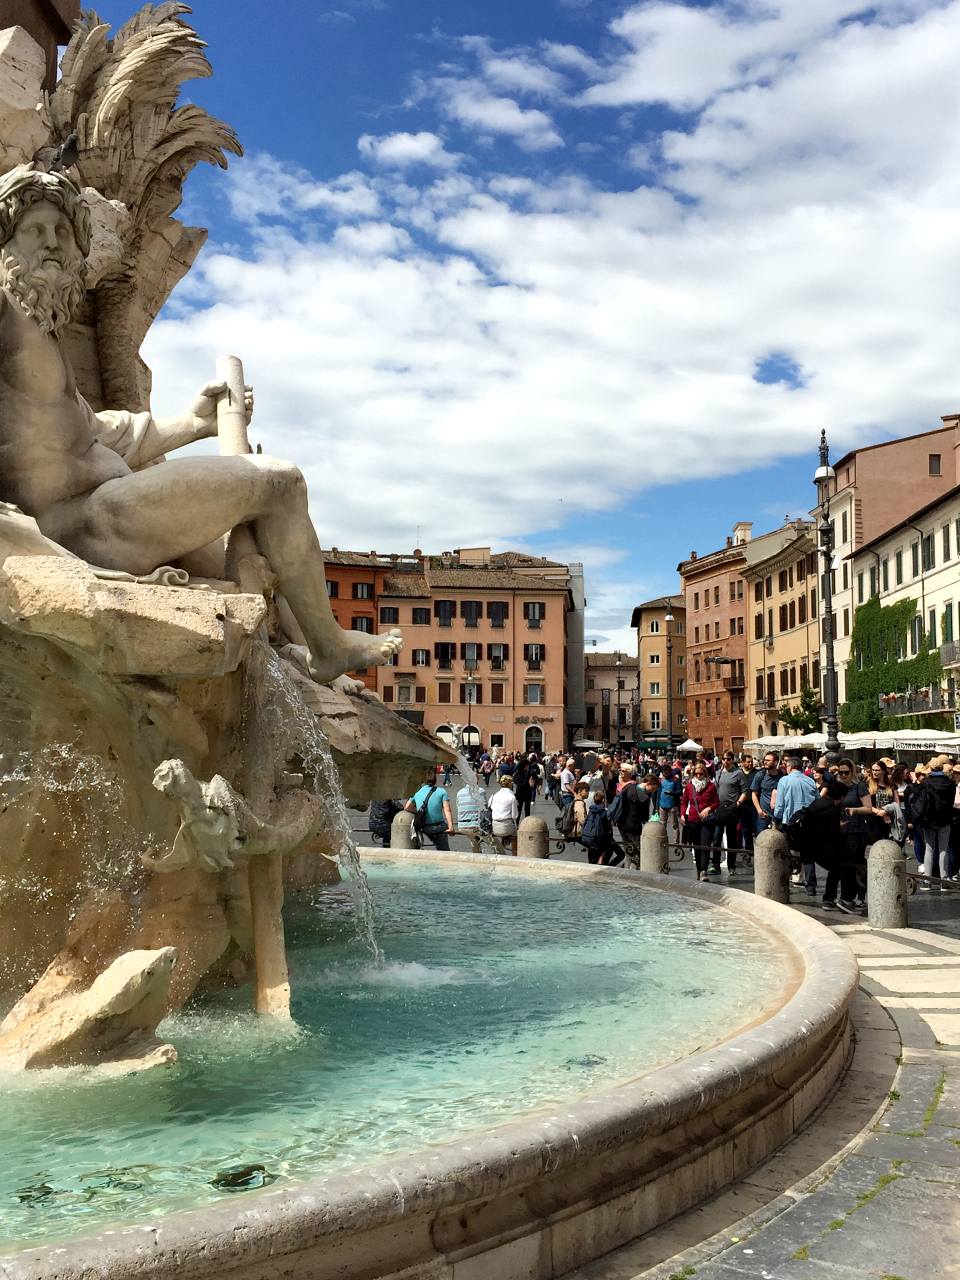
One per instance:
(388, 693)
(436, 651)
(506, 652)
(526, 652)
(463, 653)
(543, 653)
(419, 694)
(489, 652)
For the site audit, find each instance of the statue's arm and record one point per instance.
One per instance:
(140, 438)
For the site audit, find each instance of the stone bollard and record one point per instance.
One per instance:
(886, 886)
(533, 838)
(771, 866)
(654, 848)
(401, 831)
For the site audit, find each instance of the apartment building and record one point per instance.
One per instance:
(610, 680)
(918, 559)
(716, 657)
(783, 650)
(484, 647)
(876, 488)
(354, 585)
(661, 660)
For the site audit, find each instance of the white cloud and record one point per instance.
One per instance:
(487, 357)
(398, 150)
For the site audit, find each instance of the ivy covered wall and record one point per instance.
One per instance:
(881, 634)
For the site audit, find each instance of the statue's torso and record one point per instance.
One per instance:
(47, 453)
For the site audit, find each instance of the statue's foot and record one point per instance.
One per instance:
(355, 650)
(347, 684)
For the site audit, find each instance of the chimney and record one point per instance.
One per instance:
(729, 540)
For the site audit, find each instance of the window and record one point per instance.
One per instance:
(769, 622)
(471, 655)
(733, 626)
(388, 693)
(783, 617)
(793, 679)
(496, 739)
(915, 558)
(389, 615)
(768, 587)
(654, 659)
(362, 624)
(445, 654)
(846, 575)
(933, 464)
(801, 569)
(654, 688)
(696, 708)
(926, 549)
(716, 631)
(945, 533)
(534, 655)
(859, 588)
(716, 595)
(497, 613)
(471, 693)
(333, 589)
(696, 635)
(421, 657)
(801, 609)
(916, 631)
(782, 580)
(497, 655)
(844, 527)
(534, 612)
(784, 681)
(932, 629)
(948, 623)
(419, 693)
(591, 716)
(739, 588)
(471, 611)
(443, 691)
(696, 599)
(885, 574)
(532, 695)
(758, 626)
(874, 585)
(654, 719)
(496, 694)
(846, 622)
(403, 693)
(363, 591)
(757, 592)
(696, 671)
(591, 683)
(733, 592)
(445, 611)
(898, 568)
(681, 686)
(421, 617)
(803, 675)
(655, 627)
(620, 684)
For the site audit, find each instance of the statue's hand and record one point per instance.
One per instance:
(203, 409)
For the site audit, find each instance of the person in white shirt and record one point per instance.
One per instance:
(504, 813)
(568, 780)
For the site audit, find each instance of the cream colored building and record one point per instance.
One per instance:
(609, 680)
(919, 559)
(661, 660)
(783, 649)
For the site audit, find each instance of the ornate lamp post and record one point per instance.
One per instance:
(825, 474)
(668, 618)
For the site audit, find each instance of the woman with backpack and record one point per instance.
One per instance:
(698, 805)
(597, 835)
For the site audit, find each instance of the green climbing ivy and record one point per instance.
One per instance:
(881, 636)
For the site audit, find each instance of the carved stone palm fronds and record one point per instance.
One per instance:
(136, 147)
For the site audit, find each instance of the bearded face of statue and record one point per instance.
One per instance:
(42, 267)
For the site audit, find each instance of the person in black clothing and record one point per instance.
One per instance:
(382, 814)
(825, 843)
(521, 784)
(857, 805)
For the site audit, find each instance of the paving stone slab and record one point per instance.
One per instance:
(925, 1151)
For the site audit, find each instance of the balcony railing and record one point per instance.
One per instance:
(534, 623)
(734, 682)
(534, 664)
(916, 701)
(950, 654)
(444, 664)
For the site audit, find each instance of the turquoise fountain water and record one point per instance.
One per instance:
(500, 994)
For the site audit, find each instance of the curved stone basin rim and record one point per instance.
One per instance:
(522, 1154)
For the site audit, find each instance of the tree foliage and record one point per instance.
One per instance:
(805, 716)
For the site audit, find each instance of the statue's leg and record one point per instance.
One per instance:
(157, 515)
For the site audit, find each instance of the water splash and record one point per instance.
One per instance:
(294, 724)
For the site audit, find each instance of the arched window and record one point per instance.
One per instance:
(655, 627)
(773, 728)
(533, 739)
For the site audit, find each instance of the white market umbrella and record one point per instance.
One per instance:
(690, 745)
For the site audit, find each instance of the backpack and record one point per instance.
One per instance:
(597, 830)
(486, 821)
(566, 823)
(420, 824)
(795, 831)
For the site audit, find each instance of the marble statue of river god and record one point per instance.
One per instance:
(84, 477)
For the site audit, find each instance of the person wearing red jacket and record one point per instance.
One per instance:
(698, 808)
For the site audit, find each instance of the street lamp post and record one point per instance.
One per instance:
(824, 475)
(619, 682)
(668, 618)
(470, 678)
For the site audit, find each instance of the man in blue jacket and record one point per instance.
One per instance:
(795, 791)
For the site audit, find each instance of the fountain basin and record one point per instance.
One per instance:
(545, 1193)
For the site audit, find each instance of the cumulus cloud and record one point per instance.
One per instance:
(402, 149)
(490, 354)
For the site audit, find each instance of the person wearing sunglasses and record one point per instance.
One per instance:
(856, 810)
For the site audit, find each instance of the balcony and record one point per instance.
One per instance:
(917, 701)
(734, 682)
(767, 704)
(950, 654)
(534, 664)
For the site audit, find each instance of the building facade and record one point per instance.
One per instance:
(354, 586)
(610, 680)
(783, 648)
(917, 560)
(484, 648)
(876, 488)
(716, 657)
(661, 661)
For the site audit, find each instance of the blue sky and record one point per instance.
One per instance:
(581, 276)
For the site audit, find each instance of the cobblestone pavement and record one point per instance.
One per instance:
(870, 1190)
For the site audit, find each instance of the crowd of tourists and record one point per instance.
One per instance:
(715, 806)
